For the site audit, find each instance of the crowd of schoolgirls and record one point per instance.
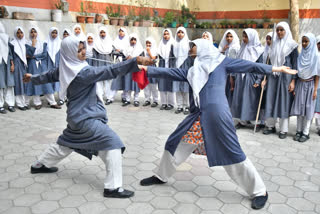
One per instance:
(283, 95)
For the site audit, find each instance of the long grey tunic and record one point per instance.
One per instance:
(219, 134)
(166, 85)
(6, 76)
(278, 98)
(245, 98)
(87, 128)
(317, 109)
(182, 86)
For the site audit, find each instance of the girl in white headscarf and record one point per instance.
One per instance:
(120, 43)
(151, 89)
(306, 89)
(19, 52)
(166, 60)
(267, 48)
(87, 130)
(77, 32)
(102, 52)
(207, 35)
(6, 73)
(37, 56)
(317, 109)
(66, 32)
(230, 46)
(280, 87)
(89, 48)
(246, 91)
(128, 85)
(180, 52)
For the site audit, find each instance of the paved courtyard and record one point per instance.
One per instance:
(290, 170)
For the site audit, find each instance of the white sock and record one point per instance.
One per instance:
(37, 165)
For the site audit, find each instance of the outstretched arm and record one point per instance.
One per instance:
(245, 66)
(177, 74)
(43, 78)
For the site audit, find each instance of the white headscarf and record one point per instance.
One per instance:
(181, 47)
(253, 49)
(103, 45)
(89, 47)
(153, 48)
(267, 49)
(81, 35)
(308, 60)
(66, 30)
(210, 36)
(208, 58)
(234, 46)
(4, 39)
(20, 45)
(53, 44)
(70, 65)
(282, 47)
(121, 43)
(135, 50)
(165, 47)
(39, 44)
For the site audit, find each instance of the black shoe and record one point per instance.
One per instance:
(123, 100)
(108, 102)
(38, 107)
(169, 107)
(60, 103)
(151, 181)
(2, 111)
(304, 138)
(154, 104)
(146, 103)
(11, 109)
(259, 201)
(179, 110)
(55, 106)
(136, 103)
(239, 126)
(43, 169)
(116, 194)
(268, 131)
(186, 111)
(319, 132)
(126, 103)
(163, 107)
(282, 135)
(22, 108)
(297, 136)
(27, 107)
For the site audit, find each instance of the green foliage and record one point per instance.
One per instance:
(58, 5)
(113, 13)
(168, 18)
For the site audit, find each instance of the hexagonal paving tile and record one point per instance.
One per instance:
(45, 207)
(26, 200)
(184, 186)
(92, 207)
(72, 201)
(141, 208)
(234, 208)
(205, 191)
(187, 209)
(230, 197)
(209, 203)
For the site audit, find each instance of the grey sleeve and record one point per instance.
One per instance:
(245, 66)
(43, 78)
(177, 74)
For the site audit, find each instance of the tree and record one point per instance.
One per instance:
(294, 19)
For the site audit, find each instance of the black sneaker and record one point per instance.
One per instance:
(319, 132)
(11, 109)
(282, 135)
(259, 201)
(61, 102)
(304, 138)
(151, 181)
(22, 108)
(297, 136)
(169, 107)
(123, 100)
(136, 103)
(108, 102)
(117, 194)
(259, 127)
(239, 126)
(179, 110)
(27, 107)
(268, 131)
(2, 111)
(43, 169)
(146, 103)
(163, 107)
(126, 103)
(186, 111)
(154, 104)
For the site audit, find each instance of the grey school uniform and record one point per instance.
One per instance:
(245, 99)
(303, 104)
(166, 85)
(87, 131)
(106, 57)
(278, 99)
(6, 76)
(20, 69)
(179, 86)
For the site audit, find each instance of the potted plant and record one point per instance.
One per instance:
(136, 22)
(144, 17)
(112, 15)
(121, 18)
(168, 18)
(253, 24)
(81, 18)
(266, 22)
(131, 17)
(56, 14)
(224, 23)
